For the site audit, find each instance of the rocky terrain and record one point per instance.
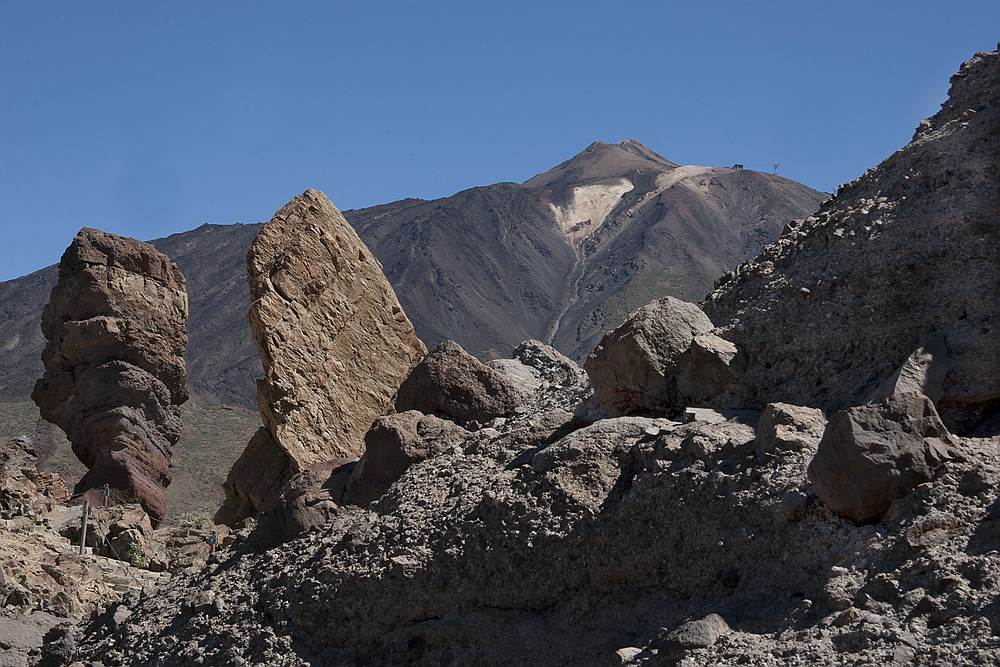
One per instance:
(116, 331)
(44, 582)
(661, 507)
(334, 343)
(899, 268)
(561, 257)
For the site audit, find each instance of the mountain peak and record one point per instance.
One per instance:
(602, 161)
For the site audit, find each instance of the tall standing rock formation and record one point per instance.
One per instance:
(905, 258)
(334, 342)
(116, 329)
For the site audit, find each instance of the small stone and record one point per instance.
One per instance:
(700, 633)
(628, 655)
(122, 614)
(201, 601)
(847, 617)
(794, 505)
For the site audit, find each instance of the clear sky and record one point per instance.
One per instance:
(148, 118)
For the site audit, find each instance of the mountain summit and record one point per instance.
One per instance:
(601, 161)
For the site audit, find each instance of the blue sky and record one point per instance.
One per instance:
(146, 118)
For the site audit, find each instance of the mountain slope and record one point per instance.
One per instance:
(902, 260)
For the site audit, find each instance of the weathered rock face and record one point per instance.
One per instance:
(904, 253)
(873, 454)
(334, 343)
(453, 384)
(116, 330)
(43, 580)
(633, 369)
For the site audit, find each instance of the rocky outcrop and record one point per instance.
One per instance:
(873, 454)
(334, 343)
(116, 331)
(498, 254)
(545, 538)
(634, 368)
(904, 254)
(669, 539)
(451, 383)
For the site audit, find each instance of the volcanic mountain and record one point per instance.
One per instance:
(560, 257)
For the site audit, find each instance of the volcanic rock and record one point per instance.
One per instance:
(452, 384)
(393, 444)
(116, 330)
(700, 633)
(308, 501)
(256, 479)
(789, 428)
(43, 580)
(707, 369)
(633, 369)
(872, 454)
(332, 338)
(923, 372)
(905, 253)
(584, 544)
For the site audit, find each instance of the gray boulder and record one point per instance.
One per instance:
(700, 633)
(633, 369)
(873, 454)
(707, 369)
(452, 384)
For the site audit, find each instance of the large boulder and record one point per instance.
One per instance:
(393, 444)
(116, 330)
(904, 254)
(873, 454)
(452, 384)
(633, 369)
(707, 369)
(334, 343)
